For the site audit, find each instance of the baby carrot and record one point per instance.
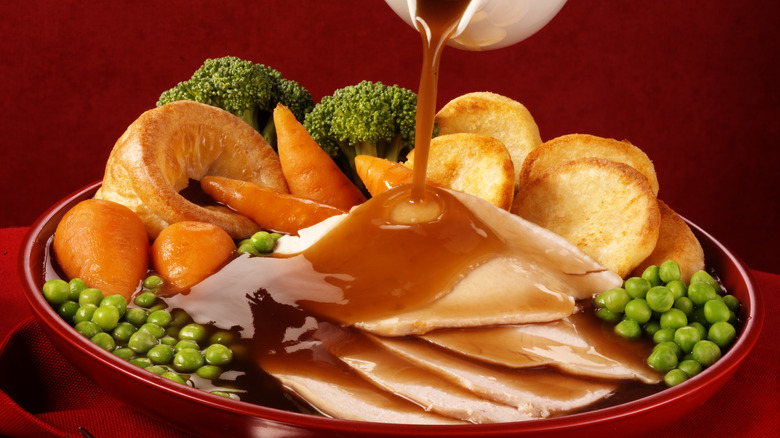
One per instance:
(269, 208)
(309, 171)
(380, 174)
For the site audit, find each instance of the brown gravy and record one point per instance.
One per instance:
(436, 21)
(384, 268)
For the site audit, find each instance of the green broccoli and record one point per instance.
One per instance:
(369, 118)
(248, 90)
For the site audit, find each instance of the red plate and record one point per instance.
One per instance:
(205, 414)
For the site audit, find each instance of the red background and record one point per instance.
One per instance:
(693, 83)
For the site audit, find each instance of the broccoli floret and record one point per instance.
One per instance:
(369, 118)
(244, 88)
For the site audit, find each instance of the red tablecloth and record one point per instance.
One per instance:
(41, 394)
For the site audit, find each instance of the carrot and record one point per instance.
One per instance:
(380, 174)
(105, 244)
(309, 171)
(185, 253)
(269, 208)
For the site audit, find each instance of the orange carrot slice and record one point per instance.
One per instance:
(309, 171)
(269, 208)
(185, 253)
(380, 174)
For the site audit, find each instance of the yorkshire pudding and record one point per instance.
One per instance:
(168, 146)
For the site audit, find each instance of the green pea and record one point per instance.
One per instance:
(156, 369)
(669, 271)
(722, 334)
(700, 293)
(124, 353)
(673, 319)
(87, 328)
(193, 332)
(180, 318)
(700, 328)
(652, 327)
(141, 341)
(104, 341)
(651, 275)
(638, 310)
(186, 344)
(162, 318)
(263, 241)
(220, 355)
(188, 360)
(690, 367)
(172, 331)
(158, 306)
(732, 302)
(160, 354)
(153, 282)
(616, 299)
(628, 328)
(706, 352)
(117, 301)
(76, 285)
(684, 304)
(84, 313)
(56, 291)
(170, 375)
(686, 337)
(142, 362)
(221, 393)
(90, 296)
(716, 311)
(663, 335)
(608, 315)
(106, 317)
(662, 359)
(123, 331)
(168, 340)
(660, 298)
(145, 299)
(705, 278)
(636, 287)
(136, 316)
(247, 248)
(675, 377)
(67, 310)
(209, 372)
(672, 346)
(154, 329)
(222, 337)
(678, 288)
(697, 315)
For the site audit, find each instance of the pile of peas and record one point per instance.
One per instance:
(691, 325)
(146, 334)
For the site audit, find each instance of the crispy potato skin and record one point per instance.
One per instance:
(676, 242)
(573, 146)
(476, 164)
(495, 115)
(605, 208)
